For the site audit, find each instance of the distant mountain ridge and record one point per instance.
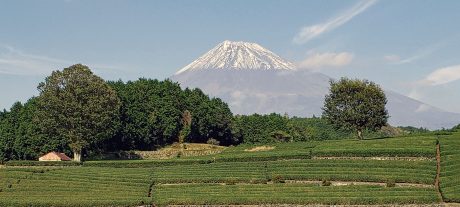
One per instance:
(252, 79)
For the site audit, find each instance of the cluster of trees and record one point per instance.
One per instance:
(78, 111)
(156, 113)
(277, 128)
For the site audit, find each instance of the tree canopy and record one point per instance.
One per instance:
(356, 105)
(79, 106)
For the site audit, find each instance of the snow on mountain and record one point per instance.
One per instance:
(240, 56)
(252, 79)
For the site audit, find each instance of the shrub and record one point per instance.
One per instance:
(230, 182)
(391, 183)
(213, 141)
(326, 183)
(42, 163)
(278, 179)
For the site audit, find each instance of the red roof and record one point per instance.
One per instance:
(61, 156)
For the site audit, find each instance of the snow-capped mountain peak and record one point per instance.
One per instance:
(239, 56)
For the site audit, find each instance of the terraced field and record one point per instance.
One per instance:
(421, 172)
(362, 172)
(74, 186)
(291, 194)
(450, 167)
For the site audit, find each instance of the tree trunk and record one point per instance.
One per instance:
(360, 134)
(77, 155)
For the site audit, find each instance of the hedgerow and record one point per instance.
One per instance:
(41, 163)
(293, 193)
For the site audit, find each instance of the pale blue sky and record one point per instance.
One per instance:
(412, 46)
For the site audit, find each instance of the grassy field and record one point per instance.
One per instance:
(361, 172)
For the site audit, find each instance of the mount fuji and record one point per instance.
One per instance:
(252, 79)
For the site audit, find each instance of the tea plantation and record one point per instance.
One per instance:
(399, 170)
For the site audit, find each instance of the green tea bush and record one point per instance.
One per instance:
(391, 183)
(450, 168)
(42, 163)
(277, 179)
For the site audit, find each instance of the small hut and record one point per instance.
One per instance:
(54, 156)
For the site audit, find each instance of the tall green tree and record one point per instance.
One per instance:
(78, 106)
(356, 105)
(211, 118)
(150, 115)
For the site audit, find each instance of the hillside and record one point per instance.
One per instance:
(251, 79)
(378, 171)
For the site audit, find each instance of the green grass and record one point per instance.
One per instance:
(450, 167)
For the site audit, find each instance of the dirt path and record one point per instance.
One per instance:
(438, 171)
(374, 158)
(315, 205)
(316, 182)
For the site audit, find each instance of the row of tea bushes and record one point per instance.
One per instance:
(450, 167)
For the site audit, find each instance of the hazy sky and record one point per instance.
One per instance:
(412, 46)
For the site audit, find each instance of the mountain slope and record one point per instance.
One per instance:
(239, 56)
(265, 89)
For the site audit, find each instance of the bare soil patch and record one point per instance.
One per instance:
(344, 183)
(260, 148)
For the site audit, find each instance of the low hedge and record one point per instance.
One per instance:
(41, 163)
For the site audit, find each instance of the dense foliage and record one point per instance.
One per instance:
(356, 104)
(78, 106)
(20, 134)
(152, 115)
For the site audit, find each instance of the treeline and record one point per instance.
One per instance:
(73, 114)
(151, 115)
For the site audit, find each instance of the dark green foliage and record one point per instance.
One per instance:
(308, 129)
(212, 141)
(259, 128)
(211, 118)
(156, 113)
(326, 183)
(78, 106)
(413, 130)
(150, 114)
(356, 105)
(21, 137)
(277, 179)
(281, 136)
